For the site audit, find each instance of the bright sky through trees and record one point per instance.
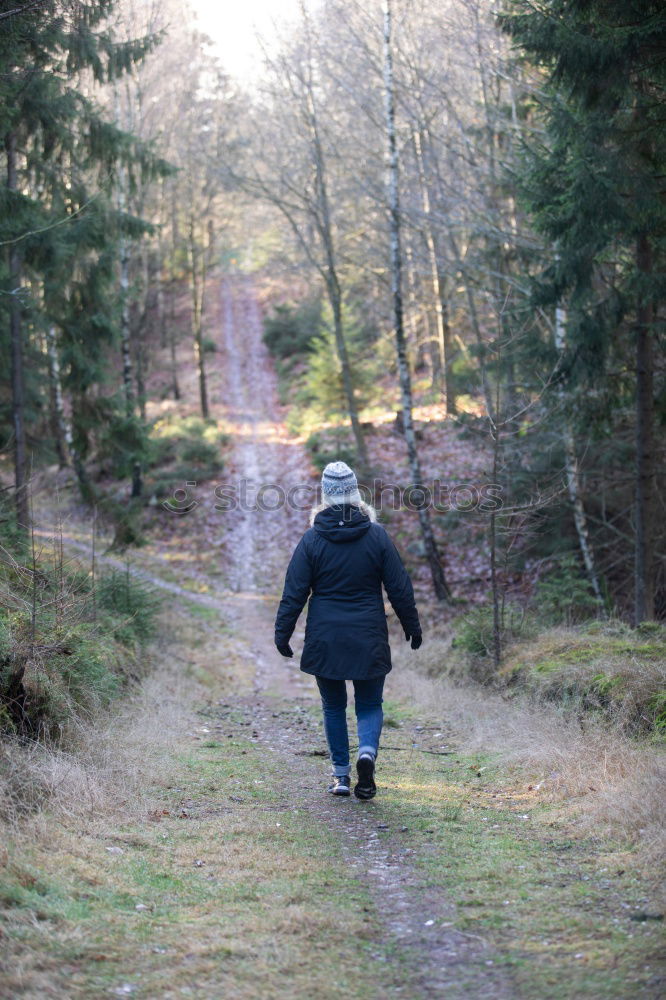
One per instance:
(234, 27)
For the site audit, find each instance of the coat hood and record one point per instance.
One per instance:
(343, 523)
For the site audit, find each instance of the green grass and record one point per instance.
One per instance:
(269, 874)
(602, 668)
(555, 908)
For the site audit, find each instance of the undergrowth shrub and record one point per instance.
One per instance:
(68, 645)
(122, 442)
(564, 596)
(302, 340)
(184, 449)
(598, 668)
(320, 395)
(288, 332)
(330, 446)
(125, 517)
(131, 605)
(474, 636)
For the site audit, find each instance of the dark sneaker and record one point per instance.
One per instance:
(339, 784)
(365, 787)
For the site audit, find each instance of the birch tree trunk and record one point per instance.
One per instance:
(572, 468)
(63, 433)
(439, 581)
(68, 453)
(16, 348)
(441, 311)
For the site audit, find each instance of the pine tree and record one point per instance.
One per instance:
(57, 218)
(596, 189)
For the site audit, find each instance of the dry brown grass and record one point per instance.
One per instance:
(110, 760)
(610, 783)
(255, 920)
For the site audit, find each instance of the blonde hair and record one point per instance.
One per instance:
(365, 508)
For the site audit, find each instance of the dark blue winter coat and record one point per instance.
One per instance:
(341, 564)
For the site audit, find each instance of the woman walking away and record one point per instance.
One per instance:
(341, 563)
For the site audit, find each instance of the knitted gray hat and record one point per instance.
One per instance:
(339, 484)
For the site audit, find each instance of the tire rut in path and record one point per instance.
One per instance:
(263, 457)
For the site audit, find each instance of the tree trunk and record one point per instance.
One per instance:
(645, 468)
(140, 333)
(449, 388)
(436, 277)
(573, 473)
(85, 486)
(16, 348)
(175, 388)
(332, 281)
(125, 324)
(335, 300)
(197, 331)
(476, 326)
(439, 581)
(419, 332)
(125, 343)
(63, 434)
(126, 350)
(159, 275)
(494, 583)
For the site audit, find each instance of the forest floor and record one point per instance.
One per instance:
(226, 870)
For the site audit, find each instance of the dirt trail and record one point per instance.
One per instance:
(264, 457)
(255, 545)
(257, 551)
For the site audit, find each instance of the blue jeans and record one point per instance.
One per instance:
(369, 718)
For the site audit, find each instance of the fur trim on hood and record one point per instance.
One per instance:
(364, 508)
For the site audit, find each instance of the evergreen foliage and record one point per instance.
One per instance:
(290, 330)
(592, 182)
(59, 214)
(302, 340)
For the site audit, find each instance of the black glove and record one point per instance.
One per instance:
(285, 649)
(417, 638)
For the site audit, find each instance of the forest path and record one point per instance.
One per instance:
(371, 921)
(235, 874)
(283, 709)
